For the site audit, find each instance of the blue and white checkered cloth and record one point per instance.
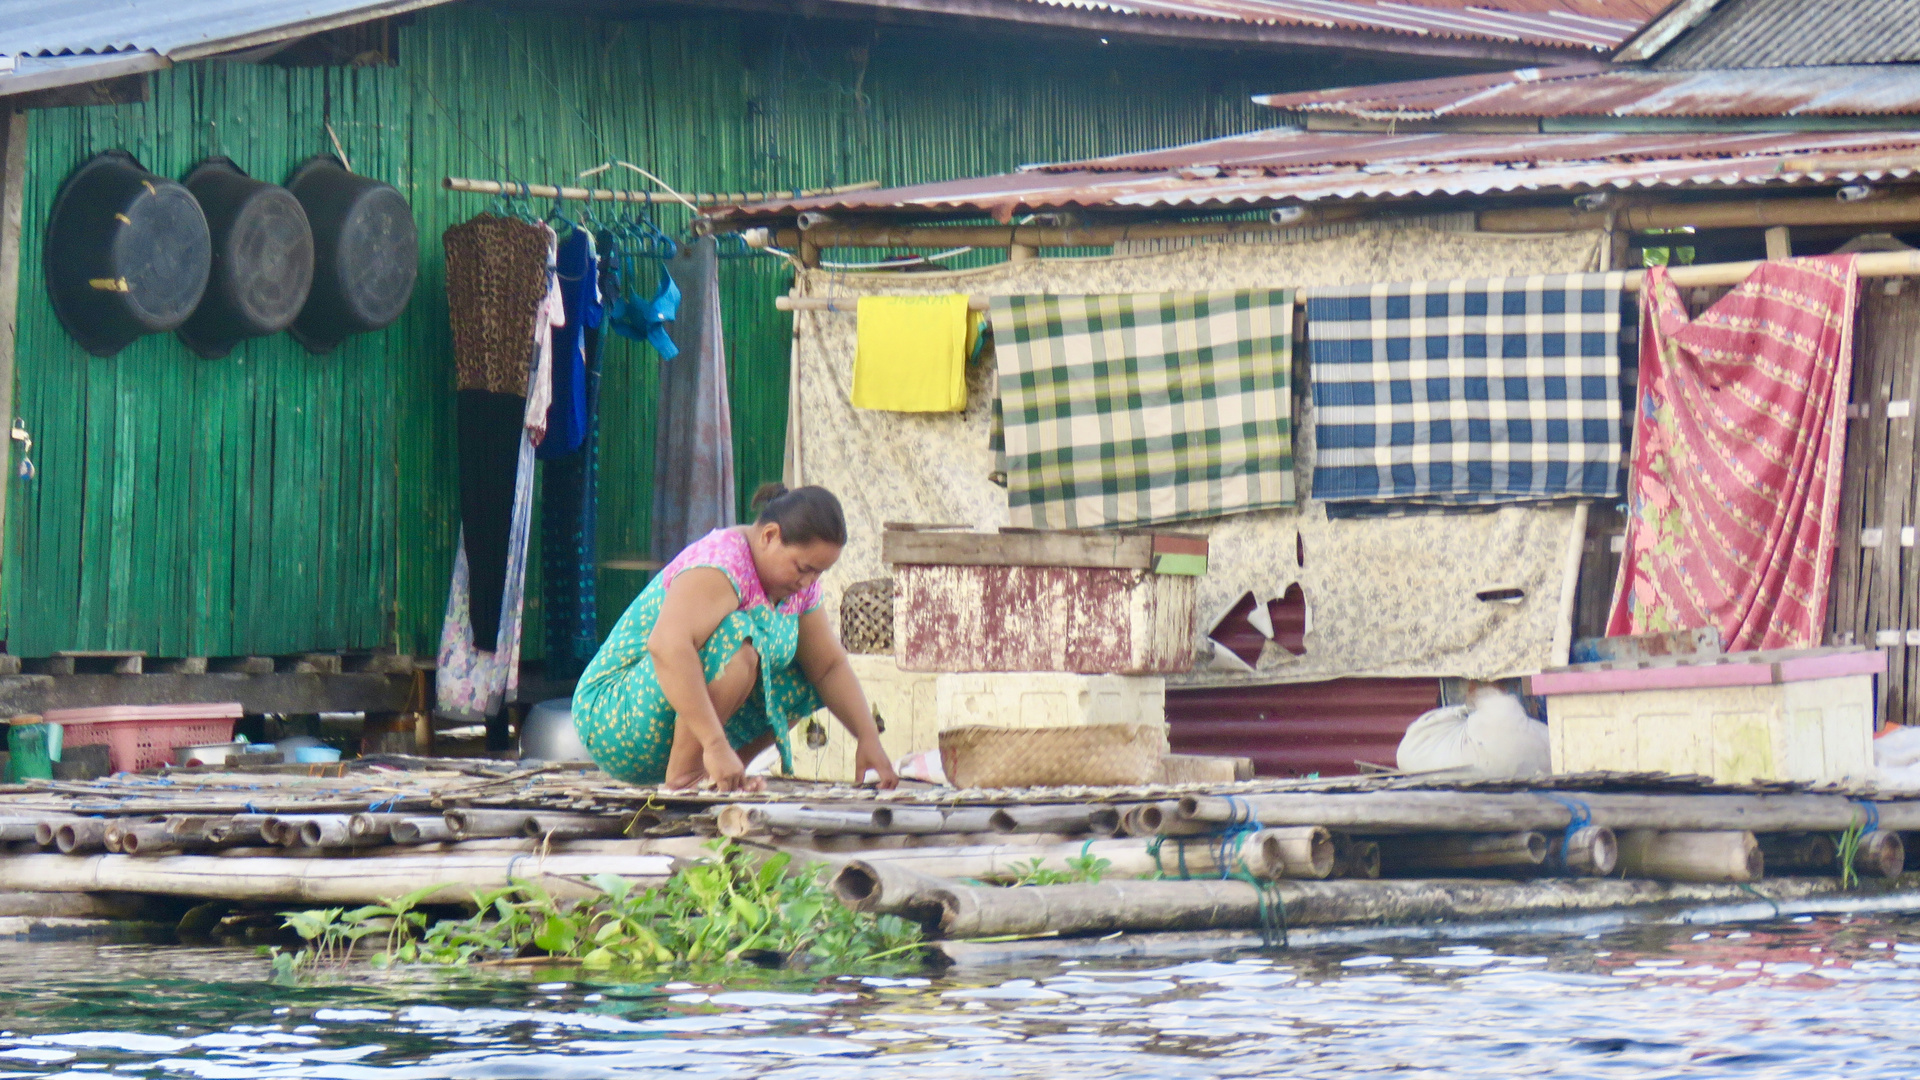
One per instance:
(1467, 392)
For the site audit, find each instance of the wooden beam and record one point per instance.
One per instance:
(13, 179)
(1779, 243)
(835, 234)
(1876, 264)
(1747, 214)
(124, 90)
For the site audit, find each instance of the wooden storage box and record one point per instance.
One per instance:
(1117, 603)
(1791, 715)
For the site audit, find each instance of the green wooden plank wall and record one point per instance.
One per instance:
(276, 502)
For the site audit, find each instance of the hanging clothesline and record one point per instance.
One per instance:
(581, 194)
(1877, 264)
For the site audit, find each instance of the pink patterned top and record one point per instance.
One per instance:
(727, 551)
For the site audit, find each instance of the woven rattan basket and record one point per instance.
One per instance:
(1091, 754)
(866, 617)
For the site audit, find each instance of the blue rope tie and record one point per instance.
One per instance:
(1580, 815)
(1873, 815)
(1225, 843)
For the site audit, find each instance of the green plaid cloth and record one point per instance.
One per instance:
(1127, 410)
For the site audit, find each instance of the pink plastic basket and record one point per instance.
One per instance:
(143, 736)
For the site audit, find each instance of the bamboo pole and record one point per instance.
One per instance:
(1267, 854)
(322, 880)
(1590, 852)
(873, 234)
(1746, 214)
(1422, 855)
(889, 889)
(975, 911)
(1464, 811)
(153, 838)
(79, 837)
(1881, 854)
(473, 824)
(1355, 857)
(742, 819)
(1786, 853)
(373, 828)
(1876, 264)
(581, 194)
(1064, 818)
(420, 830)
(1720, 856)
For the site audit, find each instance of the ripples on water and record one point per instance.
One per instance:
(1824, 998)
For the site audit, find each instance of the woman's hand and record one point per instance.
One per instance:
(725, 770)
(871, 755)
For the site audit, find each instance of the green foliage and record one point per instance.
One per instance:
(1849, 844)
(1084, 869)
(711, 913)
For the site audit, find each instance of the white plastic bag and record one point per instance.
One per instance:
(1493, 736)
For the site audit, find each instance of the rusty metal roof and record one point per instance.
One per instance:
(1600, 90)
(1572, 23)
(1288, 165)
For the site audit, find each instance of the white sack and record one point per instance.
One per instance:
(1493, 737)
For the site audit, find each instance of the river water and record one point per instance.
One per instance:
(1826, 998)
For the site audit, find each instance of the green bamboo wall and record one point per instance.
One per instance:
(275, 502)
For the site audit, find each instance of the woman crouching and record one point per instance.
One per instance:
(724, 651)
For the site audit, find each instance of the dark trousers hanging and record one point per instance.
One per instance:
(489, 427)
(570, 490)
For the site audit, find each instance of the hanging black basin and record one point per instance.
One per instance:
(366, 253)
(127, 253)
(262, 258)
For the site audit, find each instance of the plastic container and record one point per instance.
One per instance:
(28, 755)
(144, 736)
(315, 755)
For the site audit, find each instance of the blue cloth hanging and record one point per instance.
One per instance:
(647, 321)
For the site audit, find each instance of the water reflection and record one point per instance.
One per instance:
(1817, 998)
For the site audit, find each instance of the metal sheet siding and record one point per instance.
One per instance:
(1785, 33)
(1291, 165)
(1594, 91)
(1300, 728)
(277, 502)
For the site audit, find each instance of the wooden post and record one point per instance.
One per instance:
(13, 180)
(1020, 253)
(1779, 243)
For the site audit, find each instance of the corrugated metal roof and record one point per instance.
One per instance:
(1598, 90)
(1540, 24)
(1287, 165)
(75, 41)
(1794, 33)
(1300, 728)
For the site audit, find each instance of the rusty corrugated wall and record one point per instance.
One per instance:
(1298, 729)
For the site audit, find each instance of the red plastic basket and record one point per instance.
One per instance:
(143, 736)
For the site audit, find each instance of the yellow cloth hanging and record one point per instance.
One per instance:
(912, 353)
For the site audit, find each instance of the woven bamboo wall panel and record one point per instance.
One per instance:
(277, 502)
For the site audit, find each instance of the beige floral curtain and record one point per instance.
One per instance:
(1385, 597)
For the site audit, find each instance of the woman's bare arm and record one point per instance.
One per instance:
(825, 663)
(699, 598)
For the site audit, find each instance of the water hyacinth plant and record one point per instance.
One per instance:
(731, 909)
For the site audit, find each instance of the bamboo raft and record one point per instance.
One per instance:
(1344, 851)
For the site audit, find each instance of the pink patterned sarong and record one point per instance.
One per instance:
(1734, 490)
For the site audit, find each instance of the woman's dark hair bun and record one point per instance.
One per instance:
(803, 514)
(766, 493)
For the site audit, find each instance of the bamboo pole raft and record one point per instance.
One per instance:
(1197, 857)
